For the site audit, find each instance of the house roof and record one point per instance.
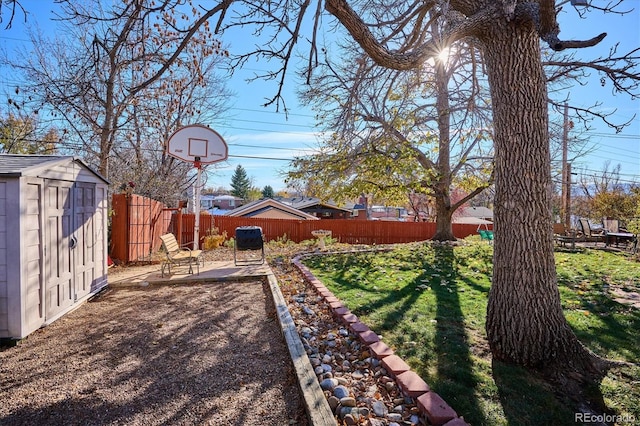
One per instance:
(306, 202)
(13, 165)
(481, 212)
(255, 208)
(471, 220)
(225, 197)
(218, 197)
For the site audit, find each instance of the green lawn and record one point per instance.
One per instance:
(429, 304)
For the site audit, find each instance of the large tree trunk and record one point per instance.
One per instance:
(444, 228)
(525, 323)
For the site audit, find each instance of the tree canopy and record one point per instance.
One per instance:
(267, 192)
(20, 135)
(99, 79)
(402, 136)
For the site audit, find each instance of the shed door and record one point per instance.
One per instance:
(59, 291)
(84, 260)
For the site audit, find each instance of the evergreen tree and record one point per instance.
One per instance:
(240, 183)
(267, 192)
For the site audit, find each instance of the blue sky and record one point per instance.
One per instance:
(622, 148)
(262, 140)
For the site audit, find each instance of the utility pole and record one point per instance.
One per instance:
(566, 176)
(567, 211)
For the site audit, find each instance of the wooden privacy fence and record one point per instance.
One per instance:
(137, 223)
(348, 231)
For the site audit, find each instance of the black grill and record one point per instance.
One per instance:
(249, 238)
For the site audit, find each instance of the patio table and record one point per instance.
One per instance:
(617, 237)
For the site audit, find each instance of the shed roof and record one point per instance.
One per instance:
(14, 165)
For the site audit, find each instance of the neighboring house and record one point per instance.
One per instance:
(206, 202)
(473, 215)
(388, 213)
(319, 209)
(270, 209)
(476, 212)
(219, 204)
(227, 202)
(360, 209)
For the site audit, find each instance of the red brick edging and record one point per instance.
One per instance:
(430, 404)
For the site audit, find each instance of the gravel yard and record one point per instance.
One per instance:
(179, 355)
(190, 355)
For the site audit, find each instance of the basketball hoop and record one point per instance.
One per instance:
(200, 145)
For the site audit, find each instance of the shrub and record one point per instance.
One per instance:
(213, 239)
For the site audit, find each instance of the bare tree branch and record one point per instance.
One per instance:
(14, 4)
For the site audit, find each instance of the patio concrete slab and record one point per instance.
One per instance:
(211, 271)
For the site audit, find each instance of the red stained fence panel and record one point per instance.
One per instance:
(344, 230)
(137, 223)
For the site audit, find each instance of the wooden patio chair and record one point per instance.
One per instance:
(177, 255)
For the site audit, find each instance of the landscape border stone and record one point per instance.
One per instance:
(318, 408)
(430, 404)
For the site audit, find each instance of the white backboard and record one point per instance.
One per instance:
(197, 143)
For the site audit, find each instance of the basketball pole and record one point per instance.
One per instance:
(201, 145)
(196, 208)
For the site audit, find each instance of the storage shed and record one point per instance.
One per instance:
(53, 239)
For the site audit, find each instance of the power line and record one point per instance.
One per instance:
(272, 112)
(611, 173)
(615, 136)
(268, 147)
(14, 39)
(261, 130)
(617, 148)
(255, 157)
(272, 123)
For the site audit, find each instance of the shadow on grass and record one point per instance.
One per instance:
(401, 298)
(528, 400)
(446, 365)
(453, 377)
(525, 398)
(454, 358)
(456, 381)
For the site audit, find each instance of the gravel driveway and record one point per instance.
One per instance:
(170, 355)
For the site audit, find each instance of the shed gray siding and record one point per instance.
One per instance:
(32, 258)
(12, 254)
(4, 301)
(31, 252)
